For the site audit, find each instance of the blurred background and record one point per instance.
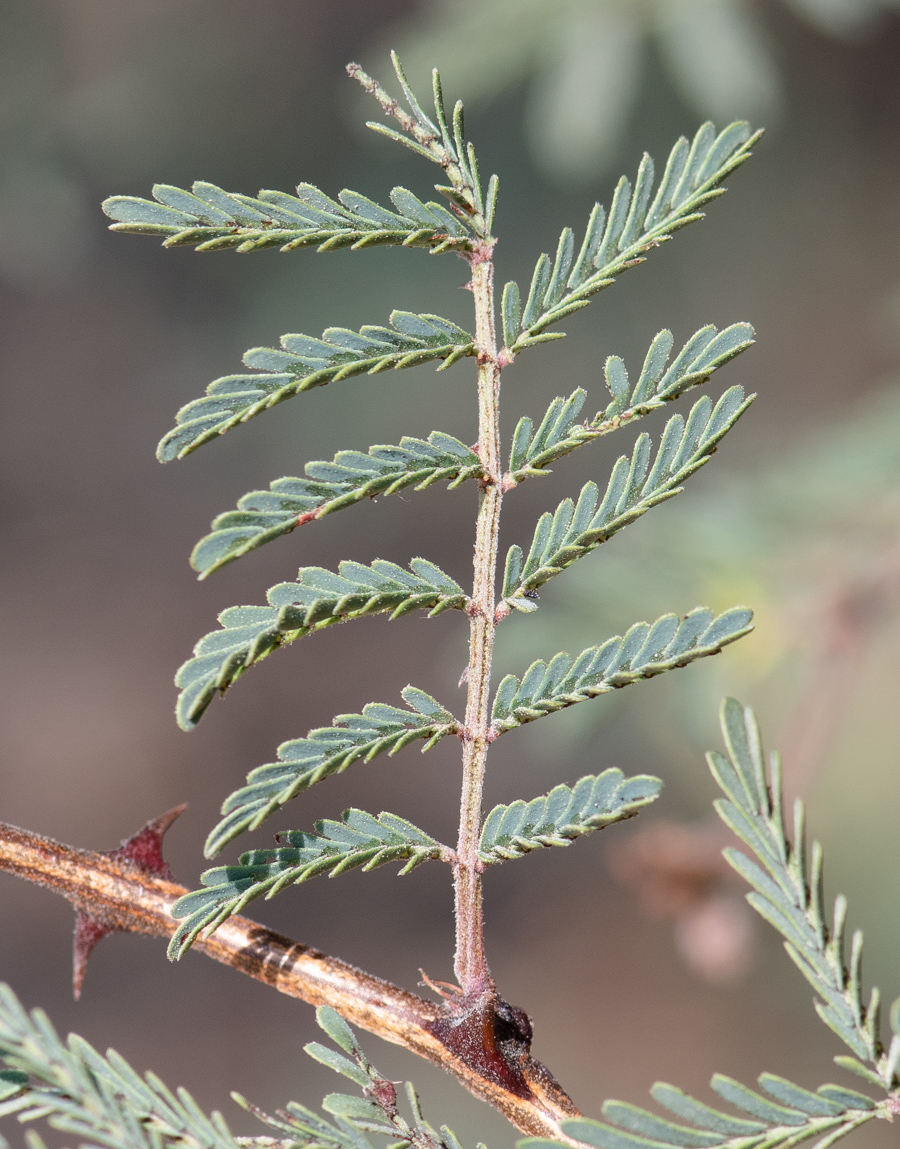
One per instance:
(634, 954)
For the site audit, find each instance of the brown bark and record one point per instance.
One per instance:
(118, 894)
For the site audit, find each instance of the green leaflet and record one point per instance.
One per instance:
(788, 891)
(305, 362)
(359, 840)
(566, 813)
(351, 477)
(319, 598)
(210, 219)
(795, 1115)
(635, 224)
(557, 434)
(329, 750)
(645, 651)
(376, 1112)
(634, 487)
(97, 1100)
(440, 141)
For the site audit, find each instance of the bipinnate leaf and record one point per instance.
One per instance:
(348, 479)
(377, 1111)
(302, 363)
(358, 841)
(329, 750)
(440, 140)
(558, 435)
(636, 485)
(794, 1116)
(565, 814)
(210, 219)
(787, 890)
(645, 651)
(95, 1100)
(318, 599)
(637, 221)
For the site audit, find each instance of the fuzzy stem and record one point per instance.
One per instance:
(471, 966)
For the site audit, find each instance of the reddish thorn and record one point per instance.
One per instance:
(88, 931)
(505, 358)
(144, 849)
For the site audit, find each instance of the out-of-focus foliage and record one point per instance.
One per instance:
(585, 60)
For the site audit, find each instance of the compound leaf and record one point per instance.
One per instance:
(643, 652)
(318, 599)
(349, 478)
(441, 142)
(94, 1099)
(359, 840)
(304, 362)
(634, 487)
(328, 750)
(210, 219)
(558, 435)
(635, 224)
(565, 814)
(787, 892)
(772, 1125)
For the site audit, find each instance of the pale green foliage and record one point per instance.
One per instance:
(788, 1116)
(103, 1101)
(634, 487)
(635, 223)
(330, 750)
(211, 219)
(377, 1111)
(358, 841)
(99, 1099)
(788, 894)
(643, 652)
(443, 142)
(303, 363)
(318, 599)
(351, 477)
(564, 815)
(558, 435)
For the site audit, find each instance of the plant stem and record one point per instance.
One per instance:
(126, 898)
(471, 966)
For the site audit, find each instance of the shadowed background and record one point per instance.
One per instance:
(103, 337)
